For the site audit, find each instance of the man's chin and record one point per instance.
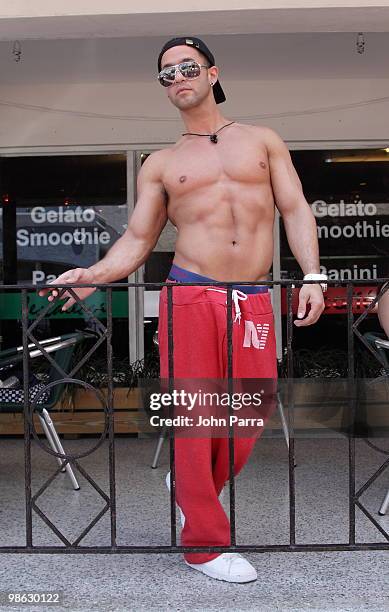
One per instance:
(185, 103)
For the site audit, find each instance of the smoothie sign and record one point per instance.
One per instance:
(70, 236)
(354, 233)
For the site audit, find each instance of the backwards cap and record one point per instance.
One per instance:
(200, 45)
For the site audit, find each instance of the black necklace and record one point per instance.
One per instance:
(212, 137)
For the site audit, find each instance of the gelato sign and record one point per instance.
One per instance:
(362, 228)
(320, 208)
(76, 217)
(353, 240)
(71, 236)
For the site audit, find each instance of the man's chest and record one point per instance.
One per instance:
(207, 164)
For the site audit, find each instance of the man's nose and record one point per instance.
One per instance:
(178, 76)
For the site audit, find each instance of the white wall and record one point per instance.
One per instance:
(45, 8)
(97, 92)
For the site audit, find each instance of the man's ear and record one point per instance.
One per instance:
(213, 74)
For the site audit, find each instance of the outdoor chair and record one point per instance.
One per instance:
(380, 344)
(12, 400)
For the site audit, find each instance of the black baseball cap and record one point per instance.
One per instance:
(200, 45)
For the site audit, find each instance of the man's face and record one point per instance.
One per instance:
(188, 93)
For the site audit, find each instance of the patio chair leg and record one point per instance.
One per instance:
(56, 445)
(158, 448)
(384, 505)
(283, 420)
(50, 439)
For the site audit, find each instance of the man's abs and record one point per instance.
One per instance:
(218, 255)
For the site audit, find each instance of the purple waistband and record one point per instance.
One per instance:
(181, 275)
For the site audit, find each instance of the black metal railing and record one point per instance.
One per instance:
(104, 334)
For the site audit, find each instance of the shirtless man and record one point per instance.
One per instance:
(218, 185)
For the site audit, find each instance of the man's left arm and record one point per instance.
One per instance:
(299, 223)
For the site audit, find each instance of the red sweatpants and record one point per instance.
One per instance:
(200, 351)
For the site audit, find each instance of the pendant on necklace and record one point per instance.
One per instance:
(212, 137)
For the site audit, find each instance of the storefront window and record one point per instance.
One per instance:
(349, 194)
(348, 191)
(60, 212)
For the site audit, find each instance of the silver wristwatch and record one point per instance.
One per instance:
(320, 278)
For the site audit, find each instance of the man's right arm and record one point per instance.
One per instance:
(132, 249)
(144, 227)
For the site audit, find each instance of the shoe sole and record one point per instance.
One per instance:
(210, 574)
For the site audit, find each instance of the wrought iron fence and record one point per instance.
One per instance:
(104, 334)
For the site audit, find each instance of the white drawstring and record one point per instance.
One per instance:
(236, 296)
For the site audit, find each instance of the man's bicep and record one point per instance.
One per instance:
(150, 215)
(285, 181)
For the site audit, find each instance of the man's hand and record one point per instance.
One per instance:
(312, 295)
(77, 276)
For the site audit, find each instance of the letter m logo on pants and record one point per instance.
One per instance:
(255, 335)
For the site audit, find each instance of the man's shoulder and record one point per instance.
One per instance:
(261, 132)
(159, 157)
(155, 162)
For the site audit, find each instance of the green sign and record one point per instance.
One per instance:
(11, 306)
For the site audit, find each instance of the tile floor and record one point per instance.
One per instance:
(322, 581)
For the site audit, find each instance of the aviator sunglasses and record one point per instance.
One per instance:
(189, 70)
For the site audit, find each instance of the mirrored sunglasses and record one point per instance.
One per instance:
(189, 70)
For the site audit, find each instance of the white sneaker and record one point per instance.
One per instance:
(182, 515)
(231, 567)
